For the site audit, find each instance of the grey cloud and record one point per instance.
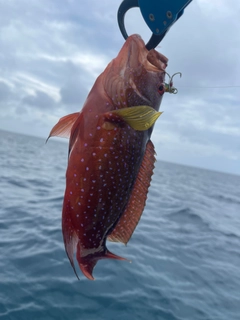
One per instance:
(73, 93)
(38, 39)
(207, 137)
(40, 100)
(5, 91)
(76, 84)
(22, 110)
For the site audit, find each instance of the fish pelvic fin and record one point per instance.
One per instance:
(140, 118)
(63, 127)
(87, 263)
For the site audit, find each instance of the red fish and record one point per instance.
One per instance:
(111, 156)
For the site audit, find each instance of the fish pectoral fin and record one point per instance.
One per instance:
(132, 214)
(140, 118)
(63, 127)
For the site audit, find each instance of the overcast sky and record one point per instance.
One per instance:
(51, 52)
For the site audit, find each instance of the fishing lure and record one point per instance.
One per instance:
(168, 87)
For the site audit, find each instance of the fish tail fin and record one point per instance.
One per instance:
(87, 264)
(87, 268)
(111, 255)
(70, 240)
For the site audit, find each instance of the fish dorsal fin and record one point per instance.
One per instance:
(138, 117)
(132, 214)
(63, 127)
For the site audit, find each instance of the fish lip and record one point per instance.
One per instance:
(152, 60)
(157, 60)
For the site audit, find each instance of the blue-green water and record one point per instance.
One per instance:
(185, 251)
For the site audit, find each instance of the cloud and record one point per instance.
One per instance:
(5, 91)
(40, 100)
(52, 52)
(74, 92)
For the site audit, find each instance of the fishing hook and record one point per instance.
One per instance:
(169, 86)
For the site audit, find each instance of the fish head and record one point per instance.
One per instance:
(136, 76)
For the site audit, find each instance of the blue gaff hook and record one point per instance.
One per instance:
(159, 15)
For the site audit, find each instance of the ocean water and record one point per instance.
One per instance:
(185, 251)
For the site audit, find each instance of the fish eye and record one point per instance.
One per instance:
(161, 89)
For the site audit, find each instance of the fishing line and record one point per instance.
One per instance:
(216, 87)
(168, 87)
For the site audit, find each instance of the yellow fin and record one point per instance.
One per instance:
(140, 118)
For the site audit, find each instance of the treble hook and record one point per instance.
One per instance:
(169, 86)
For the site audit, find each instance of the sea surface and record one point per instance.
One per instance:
(185, 251)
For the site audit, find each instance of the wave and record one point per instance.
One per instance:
(187, 215)
(227, 199)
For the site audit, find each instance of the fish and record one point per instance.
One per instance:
(111, 157)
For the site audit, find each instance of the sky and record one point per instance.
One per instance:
(51, 52)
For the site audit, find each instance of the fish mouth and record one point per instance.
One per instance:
(135, 70)
(156, 59)
(138, 54)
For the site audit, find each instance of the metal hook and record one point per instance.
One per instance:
(124, 7)
(158, 15)
(169, 86)
(180, 73)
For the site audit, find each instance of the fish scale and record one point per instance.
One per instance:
(93, 168)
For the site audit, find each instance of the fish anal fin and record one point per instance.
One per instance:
(63, 127)
(132, 214)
